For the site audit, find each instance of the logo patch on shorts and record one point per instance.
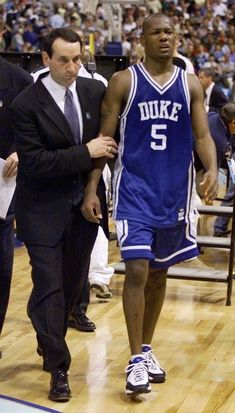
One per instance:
(181, 214)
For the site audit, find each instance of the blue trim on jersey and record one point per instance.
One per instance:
(153, 175)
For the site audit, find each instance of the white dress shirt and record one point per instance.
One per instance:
(57, 92)
(208, 96)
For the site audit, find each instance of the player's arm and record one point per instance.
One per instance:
(111, 108)
(204, 143)
(113, 103)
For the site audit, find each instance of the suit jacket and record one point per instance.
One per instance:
(220, 135)
(217, 99)
(49, 160)
(13, 79)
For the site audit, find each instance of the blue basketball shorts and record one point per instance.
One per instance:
(163, 247)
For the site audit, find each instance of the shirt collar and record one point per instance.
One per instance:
(72, 87)
(58, 89)
(209, 89)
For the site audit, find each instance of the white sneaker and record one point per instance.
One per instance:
(155, 372)
(101, 290)
(137, 379)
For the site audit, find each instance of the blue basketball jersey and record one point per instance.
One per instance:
(154, 172)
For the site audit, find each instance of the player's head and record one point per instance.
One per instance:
(158, 37)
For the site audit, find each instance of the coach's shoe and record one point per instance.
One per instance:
(59, 386)
(155, 372)
(81, 323)
(137, 379)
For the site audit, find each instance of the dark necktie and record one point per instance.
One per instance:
(71, 114)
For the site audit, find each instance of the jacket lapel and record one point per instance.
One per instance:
(84, 100)
(52, 111)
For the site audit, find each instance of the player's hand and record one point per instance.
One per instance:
(11, 164)
(209, 185)
(91, 207)
(102, 146)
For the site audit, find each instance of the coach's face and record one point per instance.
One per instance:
(65, 61)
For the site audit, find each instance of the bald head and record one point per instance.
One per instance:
(150, 21)
(158, 38)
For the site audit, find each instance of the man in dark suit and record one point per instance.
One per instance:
(215, 98)
(55, 154)
(13, 80)
(223, 129)
(78, 318)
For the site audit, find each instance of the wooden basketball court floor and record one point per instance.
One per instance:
(194, 342)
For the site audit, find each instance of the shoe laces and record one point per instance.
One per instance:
(137, 369)
(151, 360)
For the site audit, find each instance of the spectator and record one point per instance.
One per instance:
(226, 129)
(56, 20)
(214, 95)
(13, 80)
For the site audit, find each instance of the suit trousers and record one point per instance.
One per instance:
(58, 273)
(6, 263)
(83, 300)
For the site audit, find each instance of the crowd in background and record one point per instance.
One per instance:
(206, 29)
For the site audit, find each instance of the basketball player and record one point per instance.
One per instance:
(159, 105)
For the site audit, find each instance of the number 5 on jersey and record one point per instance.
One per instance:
(160, 140)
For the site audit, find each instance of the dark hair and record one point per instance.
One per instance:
(66, 34)
(208, 72)
(227, 113)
